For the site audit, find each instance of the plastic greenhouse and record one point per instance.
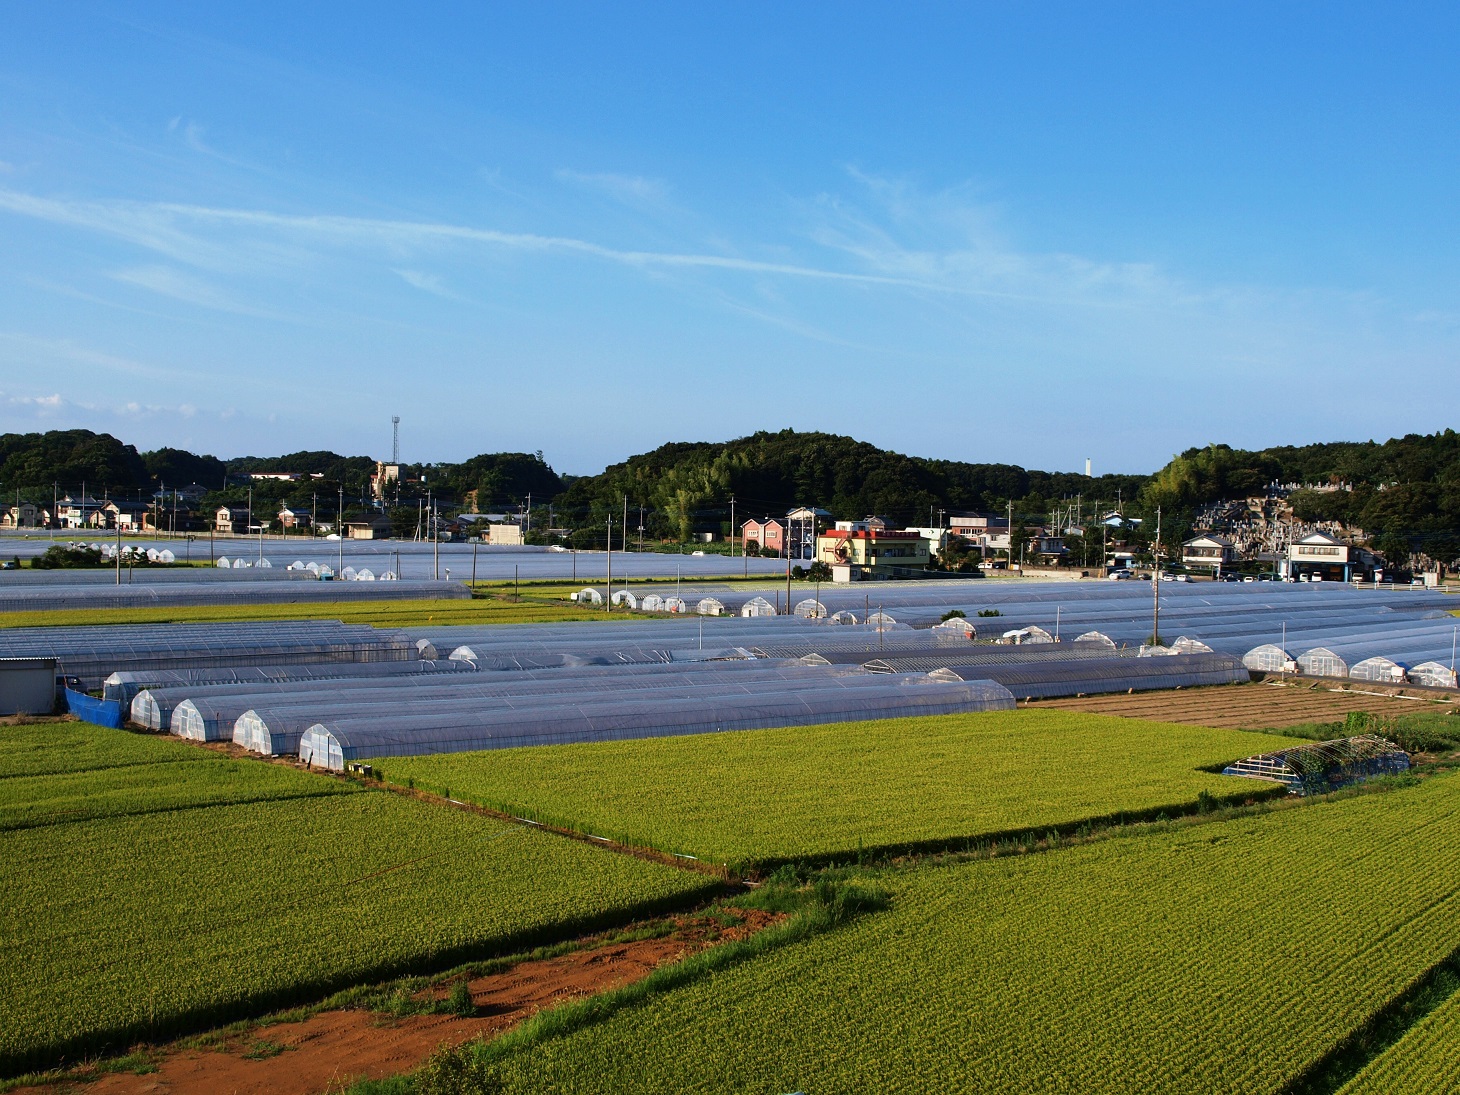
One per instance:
(1113, 673)
(809, 609)
(652, 602)
(124, 687)
(1185, 645)
(1322, 662)
(710, 606)
(622, 597)
(1269, 658)
(93, 653)
(675, 604)
(333, 743)
(1433, 675)
(1377, 669)
(1324, 765)
(955, 627)
(1098, 637)
(759, 606)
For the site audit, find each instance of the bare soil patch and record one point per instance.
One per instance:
(332, 1049)
(1246, 706)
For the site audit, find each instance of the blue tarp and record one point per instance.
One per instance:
(90, 709)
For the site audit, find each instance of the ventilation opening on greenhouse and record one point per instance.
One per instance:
(1324, 765)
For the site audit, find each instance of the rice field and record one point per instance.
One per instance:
(754, 798)
(155, 894)
(1226, 957)
(490, 610)
(1426, 1061)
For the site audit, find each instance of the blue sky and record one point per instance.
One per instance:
(995, 232)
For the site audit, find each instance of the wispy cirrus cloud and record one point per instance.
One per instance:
(26, 351)
(427, 283)
(172, 229)
(168, 282)
(630, 189)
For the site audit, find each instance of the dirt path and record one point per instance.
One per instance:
(332, 1049)
(1245, 706)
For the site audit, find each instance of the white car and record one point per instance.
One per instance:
(697, 553)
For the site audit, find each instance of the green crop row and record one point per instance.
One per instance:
(753, 797)
(131, 927)
(55, 745)
(27, 801)
(1213, 958)
(1426, 1061)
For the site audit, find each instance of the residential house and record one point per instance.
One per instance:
(769, 535)
(23, 515)
(858, 554)
(1208, 551)
(295, 518)
(230, 519)
(374, 527)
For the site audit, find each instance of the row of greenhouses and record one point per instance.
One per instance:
(90, 655)
(1322, 661)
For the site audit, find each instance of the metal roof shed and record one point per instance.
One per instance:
(27, 686)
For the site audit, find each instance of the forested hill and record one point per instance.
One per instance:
(688, 486)
(68, 461)
(1404, 493)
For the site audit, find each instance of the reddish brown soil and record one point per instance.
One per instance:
(332, 1049)
(1246, 706)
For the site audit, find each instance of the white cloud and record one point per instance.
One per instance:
(629, 189)
(428, 283)
(187, 288)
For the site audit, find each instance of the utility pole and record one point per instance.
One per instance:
(340, 530)
(435, 544)
(119, 546)
(732, 526)
(1011, 533)
(250, 507)
(608, 597)
(1156, 585)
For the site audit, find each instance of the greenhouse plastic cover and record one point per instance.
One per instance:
(333, 743)
(1090, 676)
(123, 687)
(146, 594)
(156, 708)
(94, 653)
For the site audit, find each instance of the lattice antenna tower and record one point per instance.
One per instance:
(395, 439)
